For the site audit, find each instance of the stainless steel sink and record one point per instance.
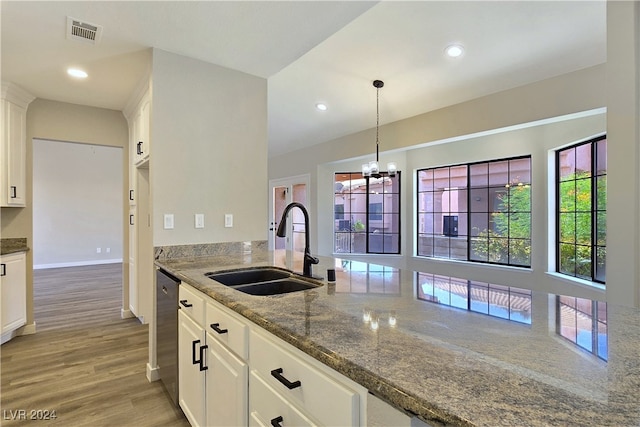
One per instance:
(262, 281)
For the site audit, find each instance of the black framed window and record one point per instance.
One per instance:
(584, 323)
(370, 213)
(581, 200)
(476, 212)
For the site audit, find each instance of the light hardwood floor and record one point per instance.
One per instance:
(85, 362)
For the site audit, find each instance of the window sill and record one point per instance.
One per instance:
(576, 281)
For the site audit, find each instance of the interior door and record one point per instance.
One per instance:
(283, 192)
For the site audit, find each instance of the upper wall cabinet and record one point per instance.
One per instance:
(138, 114)
(13, 145)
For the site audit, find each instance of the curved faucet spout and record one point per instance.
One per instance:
(282, 229)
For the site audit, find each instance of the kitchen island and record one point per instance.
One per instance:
(444, 365)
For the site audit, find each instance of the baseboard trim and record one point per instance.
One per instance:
(153, 374)
(77, 263)
(29, 329)
(126, 314)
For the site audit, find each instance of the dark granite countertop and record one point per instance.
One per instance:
(445, 365)
(13, 245)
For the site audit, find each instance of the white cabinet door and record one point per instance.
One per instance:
(13, 299)
(133, 248)
(191, 380)
(142, 124)
(13, 154)
(227, 386)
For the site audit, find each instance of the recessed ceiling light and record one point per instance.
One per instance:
(322, 107)
(77, 73)
(454, 50)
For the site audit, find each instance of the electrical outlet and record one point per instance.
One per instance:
(228, 220)
(199, 220)
(108, 250)
(98, 250)
(168, 221)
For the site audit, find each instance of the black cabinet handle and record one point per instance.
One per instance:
(216, 327)
(3, 269)
(130, 219)
(185, 303)
(139, 147)
(277, 374)
(131, 195)
(276, 421)
(14, 192)
(193, 351)
(201, 361)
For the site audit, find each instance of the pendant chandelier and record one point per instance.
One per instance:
(372, 169)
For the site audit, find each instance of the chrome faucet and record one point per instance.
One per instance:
(308, 258)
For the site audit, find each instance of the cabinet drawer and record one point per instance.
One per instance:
(191, 302)
(268, 408)
(317, 393)
(227, 329)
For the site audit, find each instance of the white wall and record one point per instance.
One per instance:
(77, 204)
(208, 151)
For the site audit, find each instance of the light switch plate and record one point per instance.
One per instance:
(228, 220)
(168, 221)
(199, 220)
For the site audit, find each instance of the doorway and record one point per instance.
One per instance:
(282, 192)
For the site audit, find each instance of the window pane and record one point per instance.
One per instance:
(441, 247)
(425, 245)
(520, 171)
(583, 262)
(567, 163)
(479, 224)
(499, 173)
(583, 195)
(567, 259)
(520, 251)
(425, 180)
(601, 192)
(479, 249)
(479, 175)
(583, 159)
(601, 153)
(568, 227)
(601, 263)
(479, 200)
(583, 228)
(567, 195)
(458, 176)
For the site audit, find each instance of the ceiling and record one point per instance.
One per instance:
(310, 52)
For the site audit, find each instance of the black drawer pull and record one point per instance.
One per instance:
(276, 421)
(130, 194)
(14, 192)
(139, 147)
(131, 220)
(185, 303)
(193, 351)
(277, 374)
(216, 327)
(201, 361)
(3, 269)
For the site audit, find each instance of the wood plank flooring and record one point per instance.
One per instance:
(85, 362)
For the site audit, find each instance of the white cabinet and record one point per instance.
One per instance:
(232, 372)
(13, 293)
(141, 124)
(13, 146)
(212, 378)
(141, 271)
(317, 395)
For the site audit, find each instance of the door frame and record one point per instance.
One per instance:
(287, 182)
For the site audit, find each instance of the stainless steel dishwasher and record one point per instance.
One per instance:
(167, 331)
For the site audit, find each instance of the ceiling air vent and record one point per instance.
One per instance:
(83, 31)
